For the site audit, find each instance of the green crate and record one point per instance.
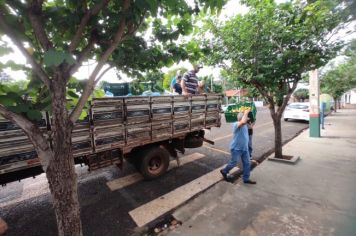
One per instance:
(231, 116)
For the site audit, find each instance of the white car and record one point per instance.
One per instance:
(297, 111)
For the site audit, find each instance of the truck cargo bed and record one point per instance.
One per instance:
(115, 126)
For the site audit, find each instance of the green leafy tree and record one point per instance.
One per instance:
(342, 77)
(217, 88)
(212, 86)
(301, 94)
(56, 37)
(335, 83)
(272, 45)
(154, 81)
(137, 87)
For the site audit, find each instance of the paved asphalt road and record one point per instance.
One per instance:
(26, 205)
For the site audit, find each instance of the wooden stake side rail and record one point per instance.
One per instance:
(117, 123)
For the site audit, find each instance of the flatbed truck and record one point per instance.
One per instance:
(145, 131)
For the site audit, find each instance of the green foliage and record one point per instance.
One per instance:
(29, 98)
(301, 94)
(98, 93)
(335, 83)
(270, 47)
(273, 44)
(342, 77)
(4, 48)
(137, 87)
(135, 55)
(167, 82)
(217, 88)
(55, 58)
(153, 81)
(15, 98)
(253, 92)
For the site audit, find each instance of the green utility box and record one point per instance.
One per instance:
(232, 111)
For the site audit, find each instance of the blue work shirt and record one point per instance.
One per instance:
(173, 82)
(240, 138)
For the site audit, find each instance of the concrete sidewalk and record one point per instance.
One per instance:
(317, 196)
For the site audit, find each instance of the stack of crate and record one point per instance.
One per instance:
(16, 149)
(82, 138)
(213, 109)
(108, 130)
(138, 120)
(198, 112)
(162, 117)
(181, 115)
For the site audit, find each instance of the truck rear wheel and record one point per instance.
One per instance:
(154, 162)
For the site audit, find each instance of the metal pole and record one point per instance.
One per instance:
(211, 84)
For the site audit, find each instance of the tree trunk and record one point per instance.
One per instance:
(335, 104)
(61, 172)
(276, 117)
(63, 185)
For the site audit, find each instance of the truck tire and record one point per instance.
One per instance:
(193, 142)
(154, 162)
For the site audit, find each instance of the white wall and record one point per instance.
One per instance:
(349, 97)
(353, 97)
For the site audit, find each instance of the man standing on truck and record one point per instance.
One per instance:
(239, 149)
(190, 81)
(174, 80)
(177, 88)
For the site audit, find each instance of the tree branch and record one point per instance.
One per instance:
(35, 66)
(81, 57)
(91, 83)
(33, 133)
(102, 74)
(89, 13)
(132, 29)
(35, 16)
(265, 94)
(286, 98)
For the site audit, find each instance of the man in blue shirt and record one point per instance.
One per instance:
(239, 149)
(177, 87)
(174, 80)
